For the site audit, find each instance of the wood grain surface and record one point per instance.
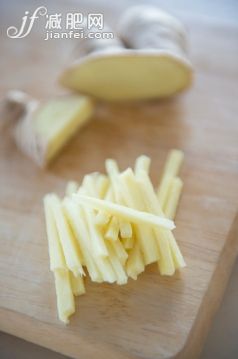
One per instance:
(153, 317)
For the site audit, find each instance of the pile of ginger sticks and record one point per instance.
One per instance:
(111, 226)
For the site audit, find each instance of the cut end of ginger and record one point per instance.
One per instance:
(148, 59)
(130, 75)
(46, 127)
(110, 227)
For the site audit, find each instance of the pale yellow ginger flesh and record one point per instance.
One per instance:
(174, 194)
(46, 127)
(110, 227)
(77, 284)
(124, 212)
(64, 293)
(172, 166)
(129, 75)
(151, 62)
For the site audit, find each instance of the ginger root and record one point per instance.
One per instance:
(43, 128)
(147, 60)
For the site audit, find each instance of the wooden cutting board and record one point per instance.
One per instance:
(153, 317)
